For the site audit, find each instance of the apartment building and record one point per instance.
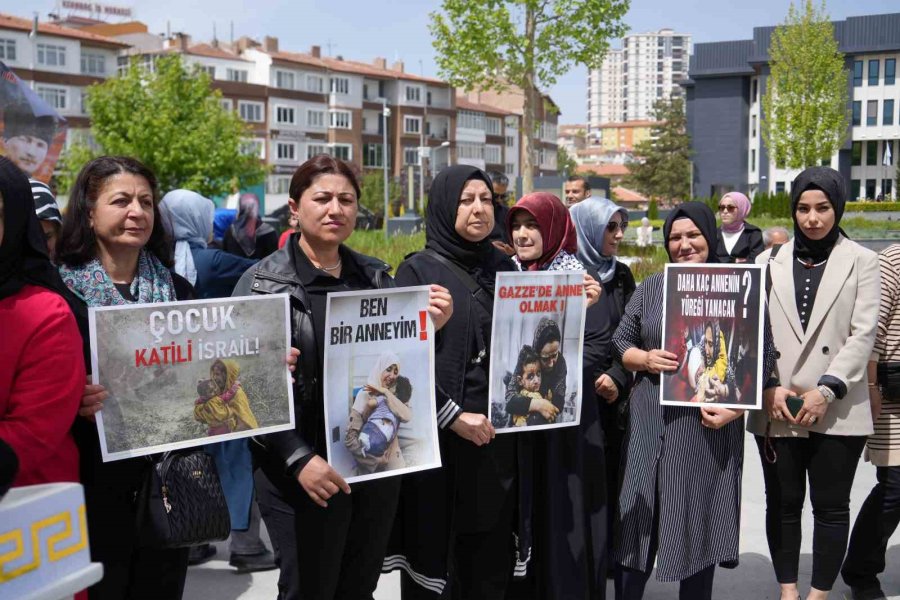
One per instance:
(572, 138)
(647, 68)
(59, 63)
(486, 137)
(724, 112)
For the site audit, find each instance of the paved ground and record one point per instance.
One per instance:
(753, 579)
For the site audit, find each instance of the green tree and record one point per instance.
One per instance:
(565, 164)
(372, 191)
(663, 165)
(170, 119)
(495, 44)
(804, 118)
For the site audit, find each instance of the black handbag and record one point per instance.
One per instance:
(181, 502)
(889, 379)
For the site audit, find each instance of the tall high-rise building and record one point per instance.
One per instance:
(647, 68)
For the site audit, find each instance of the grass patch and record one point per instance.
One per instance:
(392, 251)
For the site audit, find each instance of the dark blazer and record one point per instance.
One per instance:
(748, 246)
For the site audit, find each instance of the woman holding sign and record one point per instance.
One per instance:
(569, 484)
(681, 472)
(114, 250)
(329, 542)
(824, 301)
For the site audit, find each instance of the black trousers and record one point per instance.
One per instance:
(876, 522)
(332, 553)
(829, 461)
(130, 572)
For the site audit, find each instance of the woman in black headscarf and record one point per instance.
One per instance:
(460, 519)
(248, 236)
(681, 471)
(36, 411)
(823, 303)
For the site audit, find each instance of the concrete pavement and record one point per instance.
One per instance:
(753, 579)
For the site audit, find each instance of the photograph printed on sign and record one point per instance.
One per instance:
(536, 350)
(379, 383)
(183, 374)
(713, 321)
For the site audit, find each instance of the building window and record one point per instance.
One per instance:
(410, 155)
(255, 148)
(871, 152)
(413, 94)
(886, 188)
(315, 150)
(252, 112)
(339, 119)
(856, 154)
(888, 159)
(54, 96)
(857, 73)
(284, 115)
(510, 141)
(279, 185)
(93, 64)
(211, 71)
(340, 85)
(753, 126)
(342, 151)
(373, 155)
(284, 80)
(753, 161)
(7, 49)
(887, 113)
(239, 75)
(412, 124)
(854, 189)
(857, 112)
(315, 84)
(51, 56)
(779, 187)
(286, 150)
(226, 104)
(872, 112)
(870, 189)
(493, 155)
(510, 168)
(890, 70)
(874, 68)
(492, 125)
(428, 98)
(469, 150)
(468, 119)
(315, 118)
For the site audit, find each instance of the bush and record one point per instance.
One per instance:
(872, 206)
(652, 210)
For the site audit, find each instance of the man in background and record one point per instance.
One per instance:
(775, 236)
(577, 189)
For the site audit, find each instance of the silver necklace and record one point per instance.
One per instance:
(811, 265)
(332, 268)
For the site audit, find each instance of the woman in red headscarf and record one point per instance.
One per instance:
(569, 485)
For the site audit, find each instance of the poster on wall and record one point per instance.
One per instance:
(713, 319)
(33, 134)
(379, 383)
(536, 350)
(183, 374)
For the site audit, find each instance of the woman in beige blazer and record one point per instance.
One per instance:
(823, 305)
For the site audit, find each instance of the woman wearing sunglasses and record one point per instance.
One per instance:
(737, 240)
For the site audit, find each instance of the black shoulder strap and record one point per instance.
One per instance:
(772, 256)
(467, 280)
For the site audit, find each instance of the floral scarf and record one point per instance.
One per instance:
(153, 282)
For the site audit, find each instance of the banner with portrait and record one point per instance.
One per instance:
(183, 374)
(379, 383)
(537, 339)
(33, 133)
(713, 319)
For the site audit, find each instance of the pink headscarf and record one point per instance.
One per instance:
(743, 209)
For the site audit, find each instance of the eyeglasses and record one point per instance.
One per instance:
(613, 226)
(501, 197)
(549, 357)
(727, 208)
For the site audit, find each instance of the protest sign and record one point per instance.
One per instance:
(713, 320)
(33, 133)
(536, 350)
(379, 383)
(182, 374)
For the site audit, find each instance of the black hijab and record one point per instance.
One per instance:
(831, 183)
(23, 251)
(476, 258)
(703, 218)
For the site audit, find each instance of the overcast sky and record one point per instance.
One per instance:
(398, 29)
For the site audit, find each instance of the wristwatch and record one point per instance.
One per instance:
(827, 393)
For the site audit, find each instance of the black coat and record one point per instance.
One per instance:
(748, 246)
(618, 291)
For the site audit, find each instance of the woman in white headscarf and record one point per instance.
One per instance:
(212, 272)
(378, 409)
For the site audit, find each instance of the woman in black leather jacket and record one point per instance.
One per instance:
(329, 542)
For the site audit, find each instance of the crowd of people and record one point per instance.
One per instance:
(547, 514)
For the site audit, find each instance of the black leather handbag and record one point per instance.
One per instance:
(181, 502)
(889, 379)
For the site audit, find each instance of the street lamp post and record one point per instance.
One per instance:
(385, 113)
